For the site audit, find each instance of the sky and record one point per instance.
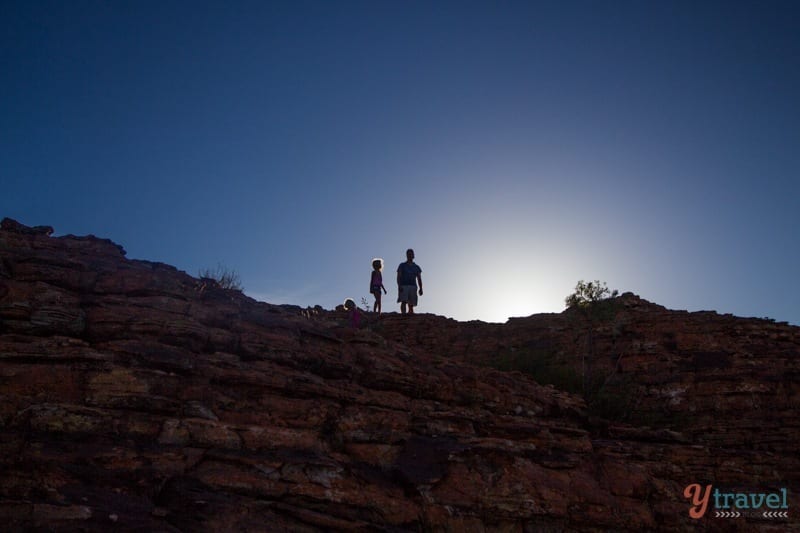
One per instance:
(518, 147)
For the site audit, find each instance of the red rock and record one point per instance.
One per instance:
(131, 390)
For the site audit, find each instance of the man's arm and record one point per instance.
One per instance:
(419, 281)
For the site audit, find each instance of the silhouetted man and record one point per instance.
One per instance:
(409, 274)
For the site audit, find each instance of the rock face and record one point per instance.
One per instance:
(720, 378)
(135, 397)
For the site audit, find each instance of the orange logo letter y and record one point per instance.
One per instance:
(699, 504)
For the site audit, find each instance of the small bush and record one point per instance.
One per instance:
(226, 277)
(588, 293)
(607, 398)
(545, 367)
(611, 401)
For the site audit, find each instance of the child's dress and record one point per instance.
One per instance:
(355, 318)
(376, 282)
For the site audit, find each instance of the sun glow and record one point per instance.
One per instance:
(505, 282)
(517, 296)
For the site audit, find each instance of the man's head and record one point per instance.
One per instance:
(410, 254)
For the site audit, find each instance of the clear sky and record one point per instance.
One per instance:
(516, 146)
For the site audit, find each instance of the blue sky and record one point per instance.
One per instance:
(516, 146)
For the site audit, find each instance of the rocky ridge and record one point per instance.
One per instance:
(136, 397)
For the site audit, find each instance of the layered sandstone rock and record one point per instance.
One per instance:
(716, 378)
(135, 397)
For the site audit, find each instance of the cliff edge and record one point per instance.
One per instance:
(136, 397)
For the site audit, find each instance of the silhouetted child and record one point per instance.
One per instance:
(376, 284)
(353, 314)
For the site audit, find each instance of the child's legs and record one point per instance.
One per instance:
(377, 305)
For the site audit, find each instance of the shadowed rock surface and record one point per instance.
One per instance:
(136, 397)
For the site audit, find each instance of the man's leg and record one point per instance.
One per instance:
(410, 309)
(403, 298)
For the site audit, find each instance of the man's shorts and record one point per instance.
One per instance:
(408, 294)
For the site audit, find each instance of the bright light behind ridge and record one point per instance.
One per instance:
(502, 280)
